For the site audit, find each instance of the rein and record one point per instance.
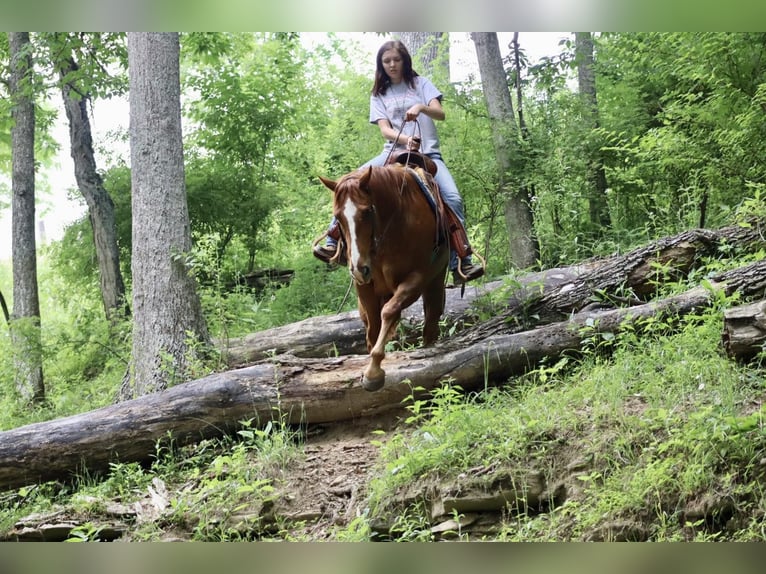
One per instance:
(415, 137)
(377, 239)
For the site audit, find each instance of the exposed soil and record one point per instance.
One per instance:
(327, 489)
(320, 492)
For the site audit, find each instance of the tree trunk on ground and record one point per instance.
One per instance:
(343, 333)
(505, 135)
(25, 328)
(310, 391)
(100, 205)
(532, 300)
(744, 331)
(169, 326)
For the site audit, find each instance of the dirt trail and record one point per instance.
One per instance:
(327, 488)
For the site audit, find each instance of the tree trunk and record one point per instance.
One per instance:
(4, 306)
(25, 329)
(518, 214)
(168, 322)
(309, 391)
(517, 86)
(100, 206)
(343, 333)
(744, 331)
(586, 80)
(424, 49)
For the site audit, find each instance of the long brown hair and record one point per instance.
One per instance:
(382, 81)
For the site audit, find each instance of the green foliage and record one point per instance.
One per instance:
(661, 423)
(229, 484)
(693, 149)
(84, 357)
(314, 291)
(661, 419)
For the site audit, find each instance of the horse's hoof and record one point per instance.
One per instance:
(373, 384)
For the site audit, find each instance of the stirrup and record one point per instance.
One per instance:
(325, 254)
(334, 258)
(468, 272)
(463, 274)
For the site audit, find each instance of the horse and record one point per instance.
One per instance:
(397, 251)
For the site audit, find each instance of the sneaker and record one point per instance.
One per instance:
(470, 270)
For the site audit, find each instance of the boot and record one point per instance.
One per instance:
(326, 252)
(469, 269)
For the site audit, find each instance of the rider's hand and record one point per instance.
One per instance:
(412, 114)
(413, 143)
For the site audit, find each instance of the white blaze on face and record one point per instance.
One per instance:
(349, 212)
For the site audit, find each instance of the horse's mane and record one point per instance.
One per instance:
(391, 180)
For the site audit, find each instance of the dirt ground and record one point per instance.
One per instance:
(327, 488)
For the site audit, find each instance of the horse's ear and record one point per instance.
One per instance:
(364, 180)
(329, 183)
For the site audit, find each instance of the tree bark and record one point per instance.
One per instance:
(91, 186)
(424, 49)
(586, 81)
(169, 327)
(308, 391)
(25, 329)
(505, 135)
(744, 331)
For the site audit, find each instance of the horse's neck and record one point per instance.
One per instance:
(389, 201)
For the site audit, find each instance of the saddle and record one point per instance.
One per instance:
(415, 158)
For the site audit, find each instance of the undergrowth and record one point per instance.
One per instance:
(666, 430)
(213, 490)
(654, 433)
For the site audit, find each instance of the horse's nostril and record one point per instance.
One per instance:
(366, 270)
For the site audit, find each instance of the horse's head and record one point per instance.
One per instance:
(355, 212)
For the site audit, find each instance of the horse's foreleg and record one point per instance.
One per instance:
(369, 312)
(374, 375)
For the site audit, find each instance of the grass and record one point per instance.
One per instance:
(662, 438)
(654, 433)
(670, 429)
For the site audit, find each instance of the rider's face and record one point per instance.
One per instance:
(392, 64)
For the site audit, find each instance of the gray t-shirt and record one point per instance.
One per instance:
(396, 101)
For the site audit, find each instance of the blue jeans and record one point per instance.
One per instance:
(447, 187)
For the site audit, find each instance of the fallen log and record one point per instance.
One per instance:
(520, 303)
(306, 391)
(343, 333)
(744, 331)
(260, 279)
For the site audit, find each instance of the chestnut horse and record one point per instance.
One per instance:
(396, 252)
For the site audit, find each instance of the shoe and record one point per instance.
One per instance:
(470, 271)
(325, 253)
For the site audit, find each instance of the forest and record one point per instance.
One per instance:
(601, 382)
